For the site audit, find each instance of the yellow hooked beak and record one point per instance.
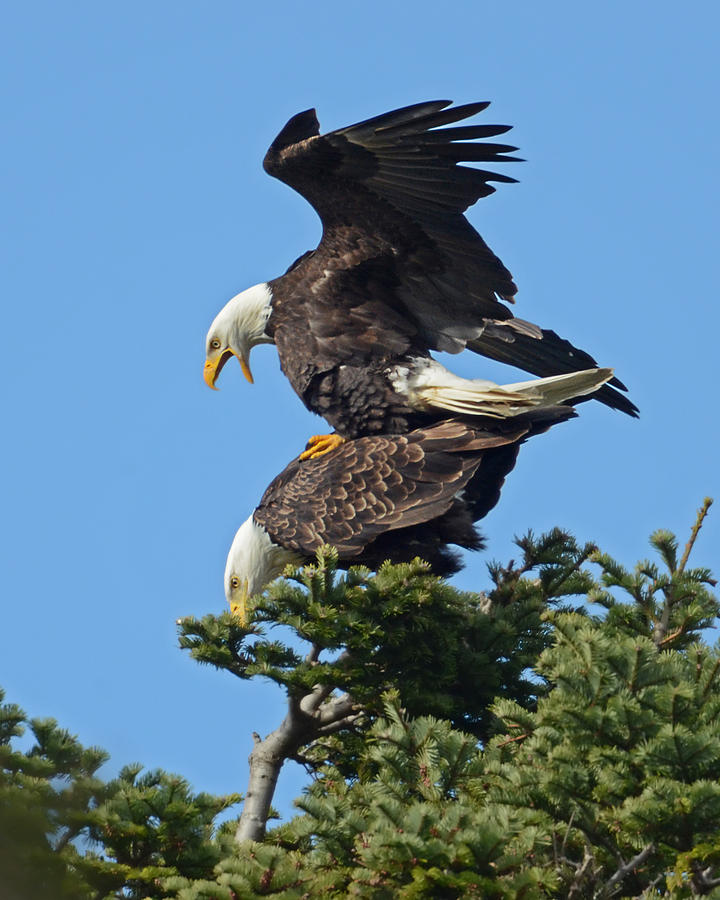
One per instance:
(238, 607)
(214, 365)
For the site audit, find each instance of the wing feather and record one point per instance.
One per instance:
(548, 354)
(395, 181)
(356, 496)
(373, 485)
(391, 194)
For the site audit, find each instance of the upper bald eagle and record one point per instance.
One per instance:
(399, 272)
(382, 497)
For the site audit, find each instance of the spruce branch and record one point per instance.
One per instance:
(599, 775)
(513, 740)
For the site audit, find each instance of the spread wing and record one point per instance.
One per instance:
(390, 190)
(373, 485)
(399, 268)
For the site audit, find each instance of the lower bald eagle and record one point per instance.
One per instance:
(399, 272)
(381, 497)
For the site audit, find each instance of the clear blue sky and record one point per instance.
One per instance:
(134, 205)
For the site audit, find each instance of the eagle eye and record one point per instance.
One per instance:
(234, 582)
(215, 344)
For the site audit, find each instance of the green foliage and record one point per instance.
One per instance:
(409, 828)
(622, 755)
(56, 814)
(671, 607)
(448, 653)
(557, 736)
(601, 778)
(45, 796)
(151, 827)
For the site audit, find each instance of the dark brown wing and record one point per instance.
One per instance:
(373, 485)
(390, 189)
(399, 269)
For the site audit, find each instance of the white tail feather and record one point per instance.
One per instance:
(428, 384)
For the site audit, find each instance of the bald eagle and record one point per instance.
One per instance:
(382, 497)
(399, 272)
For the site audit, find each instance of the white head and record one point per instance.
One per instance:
(253, 562)
(237, 328)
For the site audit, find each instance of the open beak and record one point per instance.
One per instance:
(214, 366)
(246, 369)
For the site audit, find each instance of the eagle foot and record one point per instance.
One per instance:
(320, 444)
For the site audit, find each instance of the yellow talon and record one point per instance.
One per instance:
(320, 444)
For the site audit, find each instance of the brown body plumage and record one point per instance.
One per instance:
(381, 497)
(398, 496)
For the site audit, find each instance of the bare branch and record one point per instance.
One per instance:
(628, 867)
(702, 512)
(310, 702)
(661, 626)
(702, 879)
(567, 831)
(670, 637)
(512, 740)
(660, 635)
(335, 709)
(334, 727)
(576, 888)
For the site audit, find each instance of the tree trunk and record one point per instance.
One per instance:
(315, 715)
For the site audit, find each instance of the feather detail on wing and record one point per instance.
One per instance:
(399, 266)
(393, 185)
(374, 485)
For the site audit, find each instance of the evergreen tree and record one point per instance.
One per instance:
(445, 652)
(601, 778)
(45, 796)
(65, 834)
(556, 736)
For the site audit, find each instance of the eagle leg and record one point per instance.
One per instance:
(319, 444)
